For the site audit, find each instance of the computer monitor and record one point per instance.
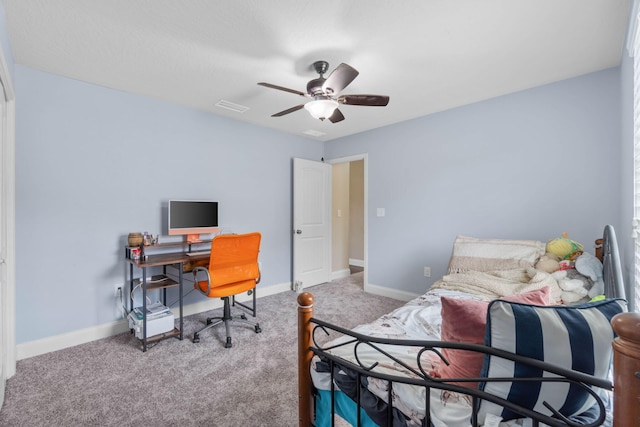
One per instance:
(192, 218)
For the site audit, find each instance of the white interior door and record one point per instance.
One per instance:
(311, 223)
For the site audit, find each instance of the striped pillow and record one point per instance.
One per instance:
(572, 337)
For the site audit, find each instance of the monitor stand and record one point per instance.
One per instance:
(193, 238)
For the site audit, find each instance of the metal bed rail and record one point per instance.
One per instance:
(421, 378)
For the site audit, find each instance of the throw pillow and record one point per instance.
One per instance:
(493, 254)
(464, 321)
(572, 337)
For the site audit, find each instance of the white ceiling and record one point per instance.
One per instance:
(427, 55)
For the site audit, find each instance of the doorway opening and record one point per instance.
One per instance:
(348, 217)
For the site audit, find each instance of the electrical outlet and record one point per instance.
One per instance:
(119, 301)
(427, 272)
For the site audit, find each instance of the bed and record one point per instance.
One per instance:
(458, 356)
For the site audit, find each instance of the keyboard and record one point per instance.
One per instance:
(198, 253)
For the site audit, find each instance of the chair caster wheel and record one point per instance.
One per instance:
(258, 330)
(228, 343)
(209, 321)
(196, 338)
(243, 317)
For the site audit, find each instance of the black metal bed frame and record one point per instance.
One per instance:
(423, 379)
(614, 287)
(611, 267)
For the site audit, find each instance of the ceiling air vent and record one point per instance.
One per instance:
(315, 133)
(231, 106)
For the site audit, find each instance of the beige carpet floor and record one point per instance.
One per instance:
(111, 382)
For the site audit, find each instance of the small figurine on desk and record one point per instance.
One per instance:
(149, 240)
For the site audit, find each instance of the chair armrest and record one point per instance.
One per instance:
(206, 272)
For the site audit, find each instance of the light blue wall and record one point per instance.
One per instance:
(94, 164)
(528, 165)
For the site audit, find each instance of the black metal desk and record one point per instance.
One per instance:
(178, 259)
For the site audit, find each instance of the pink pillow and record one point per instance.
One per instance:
(464, 321)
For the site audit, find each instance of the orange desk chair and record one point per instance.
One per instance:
(233, 269)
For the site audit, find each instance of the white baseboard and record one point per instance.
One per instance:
(389, 292)
(340, 274)
(356, 262)
(82, 336)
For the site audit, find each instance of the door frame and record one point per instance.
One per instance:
(349, 159)
(7, 193)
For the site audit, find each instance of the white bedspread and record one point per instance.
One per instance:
(495, 284)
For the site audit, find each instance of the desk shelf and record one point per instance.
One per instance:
(182, 244)
(159, 281)
(160, 337)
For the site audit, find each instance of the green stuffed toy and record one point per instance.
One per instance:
(564, 247)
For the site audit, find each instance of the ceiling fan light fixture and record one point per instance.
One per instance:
(322, 108)
(324, 93)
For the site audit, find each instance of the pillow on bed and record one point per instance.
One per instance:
(464, 321)
(573, 337)
(493, 254)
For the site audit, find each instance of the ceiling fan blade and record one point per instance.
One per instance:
(287, 111)
(336, 116)
(339, 78)
(286, 89)
(369, 100)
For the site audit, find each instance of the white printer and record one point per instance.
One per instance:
(157, 323)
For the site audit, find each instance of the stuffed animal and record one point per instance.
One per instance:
(567, 264)
(590, 266)
(564, 247)
(548, 263)
(573, 290)
(574, 274)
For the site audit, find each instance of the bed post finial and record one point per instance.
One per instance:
(305, 330)
(626, 369)
(598, 246)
